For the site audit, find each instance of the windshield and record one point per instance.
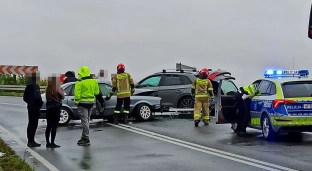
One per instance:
(297, 89)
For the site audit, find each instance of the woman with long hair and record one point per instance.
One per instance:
(54, 96)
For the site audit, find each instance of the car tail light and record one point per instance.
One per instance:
(278, 102)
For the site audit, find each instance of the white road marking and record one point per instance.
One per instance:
(30, 151)
(13, 104)
(223, 154)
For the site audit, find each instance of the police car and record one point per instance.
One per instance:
(285, 104)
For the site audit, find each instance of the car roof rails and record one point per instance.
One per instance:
(178, 70)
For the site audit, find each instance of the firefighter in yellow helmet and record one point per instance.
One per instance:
(123, 84)
(202, 89)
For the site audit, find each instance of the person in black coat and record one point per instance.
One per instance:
(70, 77)
(243, 111)
(32, 97)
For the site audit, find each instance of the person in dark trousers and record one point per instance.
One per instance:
(243, 98)
(34, 102)
(124, 87)
(70, 77)
(243, 105)
(54, 97)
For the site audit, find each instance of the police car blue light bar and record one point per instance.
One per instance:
(285, 73)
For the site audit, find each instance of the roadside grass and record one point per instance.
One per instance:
(15, 94)
(10, 161)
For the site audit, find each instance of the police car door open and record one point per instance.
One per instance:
(226, 105)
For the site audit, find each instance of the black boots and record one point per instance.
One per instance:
(116, 119)
(126, 119)
(33, 144)
(196, 123)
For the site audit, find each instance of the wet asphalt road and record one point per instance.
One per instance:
(122, 148)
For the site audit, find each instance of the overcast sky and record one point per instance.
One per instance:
(244, 37)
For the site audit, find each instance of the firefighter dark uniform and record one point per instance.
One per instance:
(202, 89)
(123, 84)
(244, 107)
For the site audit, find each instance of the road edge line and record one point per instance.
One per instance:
(210, 149)
(198, 149)
(30, 151)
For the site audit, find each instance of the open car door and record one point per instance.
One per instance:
(226, 105)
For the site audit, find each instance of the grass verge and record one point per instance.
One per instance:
(15, 94)
(10, 161)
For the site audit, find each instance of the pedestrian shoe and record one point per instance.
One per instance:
(206, 123)
(48, 145)
(80, 141)
(54, 146)
(85, 142)
(33, 144)
(116, 119)
(126, 120)
(196, 123)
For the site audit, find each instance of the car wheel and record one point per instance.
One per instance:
(186, 102)
(234, 127)
(267, 130)
(65, 116)
(143, 112)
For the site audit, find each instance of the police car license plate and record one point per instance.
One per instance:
(307, 106)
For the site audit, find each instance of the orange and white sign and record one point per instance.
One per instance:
(17, 70)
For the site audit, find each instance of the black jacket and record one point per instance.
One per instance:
(243, 105)
(70, 77)
(32, 96)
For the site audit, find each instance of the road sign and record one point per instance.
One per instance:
(17, 70)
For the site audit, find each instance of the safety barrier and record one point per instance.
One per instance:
(17, 88)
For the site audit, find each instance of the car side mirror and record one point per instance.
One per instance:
(310, 24)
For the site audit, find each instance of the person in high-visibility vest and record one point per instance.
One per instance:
(122, 83)
(201, 90)
(243, 98)
(85, 93)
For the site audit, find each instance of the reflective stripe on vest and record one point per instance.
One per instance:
(120, 77)
(249, 89)
(86, 99)
(201, 82)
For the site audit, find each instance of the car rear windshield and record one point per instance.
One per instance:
(297, 89)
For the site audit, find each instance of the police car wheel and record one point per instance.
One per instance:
(65, 116)
(234, 127)
(143, 112)
(267, 130)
